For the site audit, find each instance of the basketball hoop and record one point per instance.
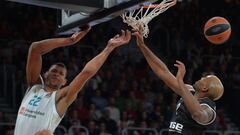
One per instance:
(141, 18)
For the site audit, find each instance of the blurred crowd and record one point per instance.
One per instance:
(125, 92)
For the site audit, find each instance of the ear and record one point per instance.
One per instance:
(205, 88)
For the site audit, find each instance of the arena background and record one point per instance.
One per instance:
(125, 83)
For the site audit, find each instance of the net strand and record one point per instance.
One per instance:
(141, 19)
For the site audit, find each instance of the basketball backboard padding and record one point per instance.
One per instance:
(64, 4)
(73, 5)
(102, 15)
(84, 12)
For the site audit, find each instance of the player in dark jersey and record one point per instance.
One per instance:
(193, 112)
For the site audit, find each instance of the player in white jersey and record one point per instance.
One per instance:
(45, 104)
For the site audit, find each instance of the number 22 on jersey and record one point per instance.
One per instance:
(35, 101)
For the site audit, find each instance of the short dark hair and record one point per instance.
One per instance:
(60, 64)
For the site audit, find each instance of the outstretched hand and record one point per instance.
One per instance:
(139, 38)
(119, 40)
(180, 76)
(181, 70)
(79, 35)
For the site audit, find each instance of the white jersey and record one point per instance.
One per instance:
(37, 112)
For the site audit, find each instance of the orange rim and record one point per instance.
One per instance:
(150, 6)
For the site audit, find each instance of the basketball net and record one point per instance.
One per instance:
(139, 20)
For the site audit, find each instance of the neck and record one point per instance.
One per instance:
(198, 95)
(49, 89)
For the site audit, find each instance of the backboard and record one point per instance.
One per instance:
(73, 14)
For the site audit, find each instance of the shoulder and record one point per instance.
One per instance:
(208, 102)
(210, 114)
(61, 93)
(209, 111)
(38, 84)
(35, 88)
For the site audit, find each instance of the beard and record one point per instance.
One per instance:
(52, 85)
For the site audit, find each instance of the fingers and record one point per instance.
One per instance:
(116, 36)
(85, 28)
(138, 28)
(75, 34)
(88, 28)
(79, 35)
(139, 38)
(180, 66)
(179, 62)
(123, 33)
(174, 2)
(120, 39)
(136, 33)
(128, 35)
(135, 30)
(176, 65)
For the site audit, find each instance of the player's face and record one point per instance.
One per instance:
(210, 85)
(200, 84)
(203, 83)
(55, 77)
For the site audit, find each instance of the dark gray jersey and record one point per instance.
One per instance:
(182, 122)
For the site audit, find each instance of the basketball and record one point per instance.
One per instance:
(217, 30)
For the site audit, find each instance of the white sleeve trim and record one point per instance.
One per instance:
(214, 115)
(42, 85)
(42, 81)
(55, 105)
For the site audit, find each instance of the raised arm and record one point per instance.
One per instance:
(37, 49)
(158, 67)
(90, 70)
(201, 113)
